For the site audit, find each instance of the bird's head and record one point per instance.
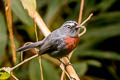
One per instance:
(70, 28)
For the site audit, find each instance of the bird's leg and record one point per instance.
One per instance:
(61, 61)
(65, 63)
(69, 60)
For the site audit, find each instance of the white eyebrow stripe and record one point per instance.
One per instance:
(69, 24)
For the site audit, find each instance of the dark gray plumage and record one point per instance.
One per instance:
(59, 43)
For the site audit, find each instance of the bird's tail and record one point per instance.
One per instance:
(29, 46)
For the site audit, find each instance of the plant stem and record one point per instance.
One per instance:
(39, 58)
(26, 60)
(36, 34)
(9, 22)
(41, 70)
(14, 76)
(81, 12)
(89, 17)
(84, 31)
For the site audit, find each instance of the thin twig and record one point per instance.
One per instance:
(65, 72)
(41, 70)
(84, 31)
(9, 21)
(14, 76)
(86, 19)
(39, 58)
(21, 55)
(62, 75)
(26, 60)
(36, 34)
(81, 12)
(42, 26)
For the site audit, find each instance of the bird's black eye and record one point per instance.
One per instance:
(69, 27)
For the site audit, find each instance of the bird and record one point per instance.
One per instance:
(59, 43)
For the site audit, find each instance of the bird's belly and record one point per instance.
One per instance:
(71, 43)
(58, 54)
(68, 46)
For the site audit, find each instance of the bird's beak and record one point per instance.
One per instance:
(78, 26)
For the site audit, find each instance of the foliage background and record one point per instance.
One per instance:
(96, 58)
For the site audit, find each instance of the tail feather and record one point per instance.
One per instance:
(29, 46)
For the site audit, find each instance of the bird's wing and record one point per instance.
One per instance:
(27, 47)
(51, 44)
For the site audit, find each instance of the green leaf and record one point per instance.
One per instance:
(41, 3)
(104, 32)
(112, 71)
(105, 19)
(3, 34)
(97, 54)
(29, 31)
(105, 4)
(93, 63)
(30, 6)
(49, 71)
(4, 73)
(81, 68)
(53, 10)
(19, 11)
(34, 70)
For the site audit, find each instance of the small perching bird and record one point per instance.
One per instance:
(59, 43)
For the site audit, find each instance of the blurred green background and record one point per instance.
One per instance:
(96, 58)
